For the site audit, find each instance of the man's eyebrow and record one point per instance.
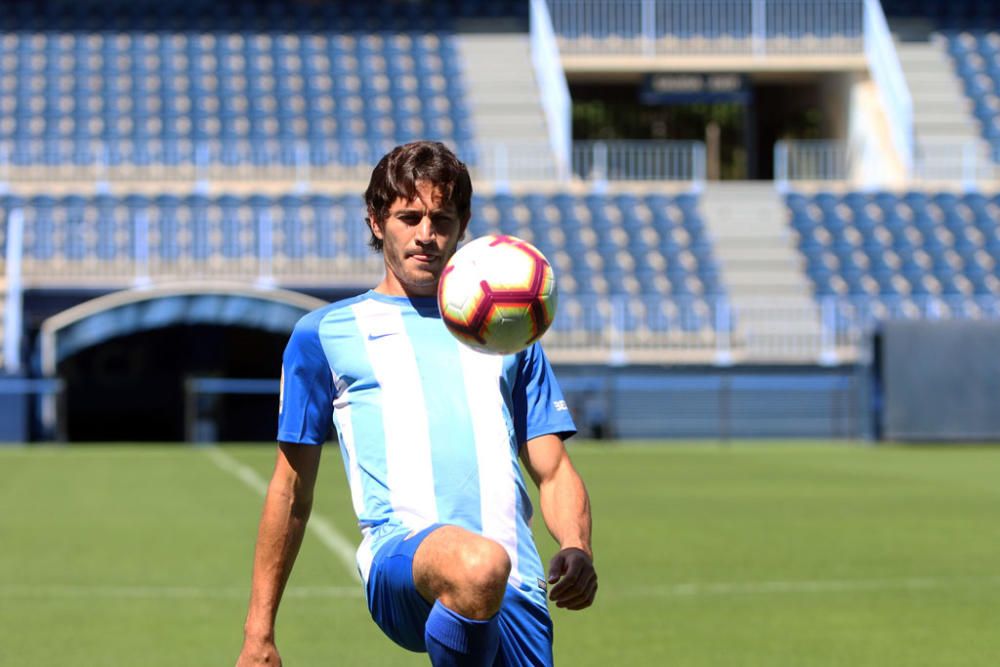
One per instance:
(446, 210)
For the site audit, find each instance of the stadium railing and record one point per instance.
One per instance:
(961, 162)
(11, 292)
(883, 61)
(756, 27)
(591, 328)
(552, 84)
(640, 161)
(955, 160)
(811, 160)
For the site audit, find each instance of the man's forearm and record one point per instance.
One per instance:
(282, 525)
(566, 508)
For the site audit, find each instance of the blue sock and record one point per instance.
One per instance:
(456, 641)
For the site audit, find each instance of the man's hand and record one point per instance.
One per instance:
(258, 652)
(572, 572)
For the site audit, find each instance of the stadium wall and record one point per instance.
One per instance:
(720, 403)
(939, 380)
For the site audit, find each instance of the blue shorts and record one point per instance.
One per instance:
(399, 609)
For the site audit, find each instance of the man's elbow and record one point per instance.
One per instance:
(302, 506)
(292, 494)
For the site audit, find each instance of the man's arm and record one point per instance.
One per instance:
(566, 510)
(282, 525)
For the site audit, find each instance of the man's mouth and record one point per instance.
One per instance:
(423, 257)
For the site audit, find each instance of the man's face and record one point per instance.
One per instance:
(418, 236)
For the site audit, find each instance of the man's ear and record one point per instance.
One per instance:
(375, 226)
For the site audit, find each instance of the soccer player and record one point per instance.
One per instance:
(430, 433)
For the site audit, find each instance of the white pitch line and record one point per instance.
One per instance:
(165, 592)
(321, 527)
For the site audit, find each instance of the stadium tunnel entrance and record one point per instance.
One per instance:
(135, 365)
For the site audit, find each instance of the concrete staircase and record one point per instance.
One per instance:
(943, 122)
(503, 93)
(763, 273)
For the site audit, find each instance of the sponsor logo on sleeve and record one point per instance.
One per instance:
(281, 392)
(560, 406)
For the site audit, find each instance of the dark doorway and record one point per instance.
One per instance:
(614, 111)
(132, 388)
(784, 111)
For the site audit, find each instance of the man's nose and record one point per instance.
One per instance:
(425, 230)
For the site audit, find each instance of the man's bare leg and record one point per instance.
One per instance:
(464, 576)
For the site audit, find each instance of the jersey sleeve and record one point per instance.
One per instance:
(305, 404)
(539, 406)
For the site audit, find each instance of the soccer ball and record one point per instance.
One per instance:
(497, 294)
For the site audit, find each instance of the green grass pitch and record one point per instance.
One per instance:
(805, 555)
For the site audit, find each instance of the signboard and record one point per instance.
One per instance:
(694, 88)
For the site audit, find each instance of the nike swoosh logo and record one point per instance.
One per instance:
(381, 335)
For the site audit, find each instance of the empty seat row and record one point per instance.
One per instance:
(641, 246)
(311, 85)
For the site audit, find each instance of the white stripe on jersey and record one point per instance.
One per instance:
(497, 484)
(409, 472)
(342, 408)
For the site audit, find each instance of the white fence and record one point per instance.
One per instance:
(816, 160)
(639, 161)
(709, 27)
(962, 162)
(954, 160)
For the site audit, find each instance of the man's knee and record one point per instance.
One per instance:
(465, 571)
(483, 566)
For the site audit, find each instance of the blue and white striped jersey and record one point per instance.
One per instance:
(429, 429)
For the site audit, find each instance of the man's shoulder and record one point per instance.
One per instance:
(333, 311)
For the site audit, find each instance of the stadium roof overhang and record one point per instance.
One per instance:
(145, 309)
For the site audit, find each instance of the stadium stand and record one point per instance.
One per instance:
(147, 91)
(664, 268)
(887, 255)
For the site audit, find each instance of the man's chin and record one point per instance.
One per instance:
(424, 285)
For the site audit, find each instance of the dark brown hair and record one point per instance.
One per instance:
(396, 175)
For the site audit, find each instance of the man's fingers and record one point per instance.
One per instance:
(577, 577)
(581, 598)
(568, 580)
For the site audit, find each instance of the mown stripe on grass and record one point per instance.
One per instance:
(801, 587)
(676, 590)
